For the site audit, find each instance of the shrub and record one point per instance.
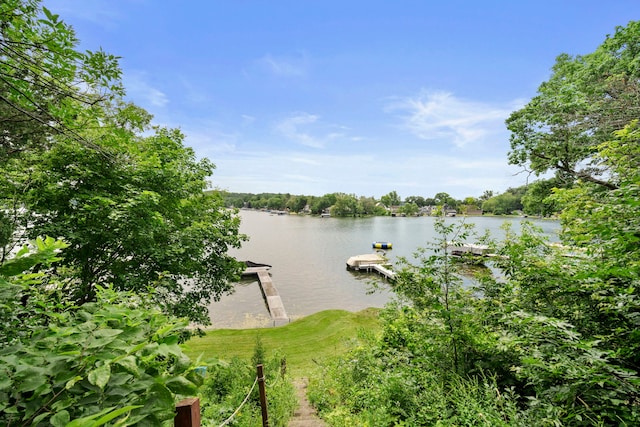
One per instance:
(114, 360)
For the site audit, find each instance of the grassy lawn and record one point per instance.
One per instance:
(302, 342)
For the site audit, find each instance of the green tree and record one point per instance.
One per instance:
(323, 203)
(275, 203)
(605, 223)
(345, 205)
(444, 199)
(132, 207)
(418, 200)
(44, 81)
(486, 195)
(471, 201)
(538, 201)
(391, 199)
(585, 100)
(141, 219)
(409, 209)
(366, 206)
(297, 203)
(505, 203)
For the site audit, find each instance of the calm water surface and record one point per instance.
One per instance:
(309, 255)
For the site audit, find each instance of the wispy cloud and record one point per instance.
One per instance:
(441, 115)
(364, 174)
(285, 66)
(210, 142)
(309, 130)
(296, 128)
(143, 92)
(247, 119)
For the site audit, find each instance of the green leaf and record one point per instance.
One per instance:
(60, 419)
(107, 333)
(32, 382)
(103, 417)
(181, 385)
(100, 376)
(72, 382)
(129, 364)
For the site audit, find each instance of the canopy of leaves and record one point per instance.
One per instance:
(114, 360)
(505, 203)
(586, 99)
(79, 162)
(44, 81)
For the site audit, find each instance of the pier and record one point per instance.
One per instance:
(274, 302)
(371, 262)
(460, 249)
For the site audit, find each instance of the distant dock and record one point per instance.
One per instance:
(371, 262)
(278, 314)
(461, 249)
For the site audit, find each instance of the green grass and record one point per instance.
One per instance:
(303, 342)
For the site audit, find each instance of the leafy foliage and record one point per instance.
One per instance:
(141, 220)
(551, 340)
(44, 81)
(115, 359)
(228, 383)
(586, 99)
(78, 161)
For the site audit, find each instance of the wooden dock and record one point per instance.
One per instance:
(460, 249)
(274, 302)
(383, 271)
(371, 262)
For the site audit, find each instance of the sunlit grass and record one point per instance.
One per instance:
(304, 342)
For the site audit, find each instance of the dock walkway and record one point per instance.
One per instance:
(379, 268)
(371, 262)
(274, 302)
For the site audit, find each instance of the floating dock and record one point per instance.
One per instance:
(371, 262)
(274, 302)
(459, 249)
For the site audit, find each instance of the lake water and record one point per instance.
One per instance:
(308, 256)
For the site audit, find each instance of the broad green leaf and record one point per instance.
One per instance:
(181, 385)
(72, 382)
(60, 419)
(129, 364)
(101, 417)
(32, 382)
(107, 333)
(100, 376)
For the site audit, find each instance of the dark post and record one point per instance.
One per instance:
(187, 413)
(263, 397)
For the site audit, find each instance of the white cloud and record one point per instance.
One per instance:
(308, 130)
(367, 174)
(247, 119)
(285, 66)
(209, 142)
(291, 127)
(142, 92)
(441, 115)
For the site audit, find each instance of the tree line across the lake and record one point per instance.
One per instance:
(532, 199)
(110, 246)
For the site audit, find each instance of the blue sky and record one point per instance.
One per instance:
(362, 97)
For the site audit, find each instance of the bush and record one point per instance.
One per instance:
(228, 383)
(116, 359)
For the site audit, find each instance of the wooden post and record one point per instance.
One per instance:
(187, 413)
(263, 397)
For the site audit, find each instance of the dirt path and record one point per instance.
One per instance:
(305, 415)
